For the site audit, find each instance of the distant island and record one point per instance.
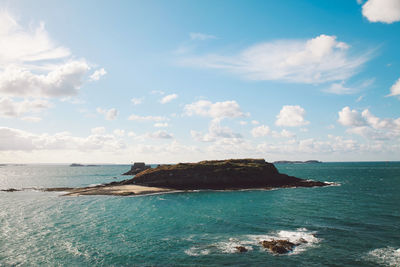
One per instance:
(296, 162)
(81, 165)
(233, 174)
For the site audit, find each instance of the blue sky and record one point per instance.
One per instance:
(175, 81)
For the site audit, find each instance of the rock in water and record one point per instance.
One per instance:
(218, 174)
(241, 249)
(278, 246)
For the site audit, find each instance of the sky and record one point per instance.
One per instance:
(182, 81)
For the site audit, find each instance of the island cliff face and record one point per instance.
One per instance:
(218, 175)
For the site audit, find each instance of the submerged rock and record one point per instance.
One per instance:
(218, 174)
(278, 246)
(136, 168)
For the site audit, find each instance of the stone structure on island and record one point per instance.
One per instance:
(136, 168)
(219, 175)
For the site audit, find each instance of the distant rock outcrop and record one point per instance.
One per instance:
(218, 174)
(136, 168)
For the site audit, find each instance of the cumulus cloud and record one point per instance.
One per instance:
(368, 125)
(395, 89)
(161, 135)
(64, 80)
(109, 114)
(284, 133)
(291, 116)
(168, 98)
(386, 11)
(215, 132)
(160, 124)
(317, 60)
(226, 109)
(201, 36)
(260, 131)
(12, 109)
(135, 117)
(348, 117)
(15, 139)
(98, 74)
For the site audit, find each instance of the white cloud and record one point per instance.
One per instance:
(348, 117)
(12, 109)
(137, 101)
(291, 116)
(64, 80)
(135, 117)
(318, 60)
(15, 139)
(31, 119)
(254, 122)
(32, 65)
(21, 46)
(215, 132)
(340, 89)
(368, 125)
(109, 114)
(201, 36)
(260, 131)
(161, 135)
(395, 89)
(119, 132)
(386, 11)
(243, 122)
(98, 74)
(168, 98)
(284, 133)
(160, 124)
(226, 109)
(98, 130)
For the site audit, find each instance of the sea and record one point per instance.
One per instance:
(353, 222)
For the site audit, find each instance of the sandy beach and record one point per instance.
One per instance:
(118, 190)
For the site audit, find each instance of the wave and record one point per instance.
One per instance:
(305, 238)
(388, 256)
(297, 237)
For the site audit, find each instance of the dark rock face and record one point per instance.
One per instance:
(278, 246)
(241, 249)
(218, 174)
(136, 168)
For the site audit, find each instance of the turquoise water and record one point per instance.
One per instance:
(354, 224)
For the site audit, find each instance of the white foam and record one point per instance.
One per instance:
(333, 183)
(388, 256)
(197, 251)
(304, 238)
(297, 237)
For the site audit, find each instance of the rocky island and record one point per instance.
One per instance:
(233, 174)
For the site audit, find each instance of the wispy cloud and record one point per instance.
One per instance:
(201, 36)
(98, 74)
(168, 98)
(318, 60)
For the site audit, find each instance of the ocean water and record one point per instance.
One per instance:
(356, 223)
